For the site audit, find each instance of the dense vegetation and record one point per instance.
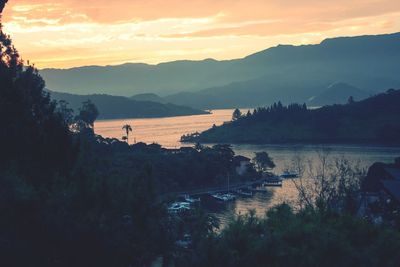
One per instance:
(119, 107)
(374, 120)
(305, 238)
(71, 198)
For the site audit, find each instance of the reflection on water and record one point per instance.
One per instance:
(167, 132)
(164, 131)
(260, 202)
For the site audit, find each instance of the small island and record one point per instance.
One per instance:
(374, 120)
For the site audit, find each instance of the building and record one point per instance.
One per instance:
(381, 192)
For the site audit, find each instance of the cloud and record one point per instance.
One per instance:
(102, 32)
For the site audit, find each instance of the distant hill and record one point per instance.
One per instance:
(119, 107)
(285, 72)
(373, 120)
(338, 93)
(149, 97)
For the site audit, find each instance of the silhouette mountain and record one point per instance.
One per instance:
(149, 97)
(119, 107)
(338, 93)
(285, 72)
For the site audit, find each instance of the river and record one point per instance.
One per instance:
(167, 132)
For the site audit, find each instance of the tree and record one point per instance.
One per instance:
(350, 100)
(237, 114)
(263, 161)
(2, 4)
(23, 101)
(88, 113)
(127, 129)
(65, 112)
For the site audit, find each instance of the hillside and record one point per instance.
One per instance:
(373, 120)
(149, 97)
(285, 72)
(119, 107)
(338, 93)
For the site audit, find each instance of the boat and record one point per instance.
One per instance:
(244, 193)
(178, 207)
(288, 174)
(273, 181)
(224, 197)
(190, 199)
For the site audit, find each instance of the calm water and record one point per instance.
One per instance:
(167, 132)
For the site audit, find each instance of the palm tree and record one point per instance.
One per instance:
(127, 129)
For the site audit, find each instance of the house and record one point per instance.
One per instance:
(381, 190)
(242, 164)
(379, 172)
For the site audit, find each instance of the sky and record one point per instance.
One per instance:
(71, 33)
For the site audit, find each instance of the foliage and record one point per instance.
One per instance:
(58, 208)
(263, 161)
(306, 238)
(324, 231)
(2, 4)
(237, 114)
(174, 170)
(32, 133)
(127, 129)
(373, 120)
(88, 113)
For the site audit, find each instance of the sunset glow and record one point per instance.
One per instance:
(68, 33)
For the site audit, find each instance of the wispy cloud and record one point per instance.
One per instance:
(67, 33)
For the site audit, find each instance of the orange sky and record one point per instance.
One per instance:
(68, 33)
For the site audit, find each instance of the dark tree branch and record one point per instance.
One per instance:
(2, 4)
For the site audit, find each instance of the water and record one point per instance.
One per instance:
(164, 131)
(167, 132)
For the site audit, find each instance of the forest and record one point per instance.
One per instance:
(374, 120)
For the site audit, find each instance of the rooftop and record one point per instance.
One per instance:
(241, 158)
(393, 188)
(394, 172)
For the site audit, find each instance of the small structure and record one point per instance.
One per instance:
(381, 190)
(242, 164)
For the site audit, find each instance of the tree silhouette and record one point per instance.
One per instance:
(66, 112)
(237, 114)
(23, 101)
(127, 129)
(2, 4)
(263, 161)
(88, 113)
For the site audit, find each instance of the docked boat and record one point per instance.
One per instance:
(244, 193)
(273, 181)
(288, 174)
(190, 199)
(178, 207)
(224, 197)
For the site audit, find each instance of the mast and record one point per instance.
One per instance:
(228, 183)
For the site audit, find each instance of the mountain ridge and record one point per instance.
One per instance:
(368, 62)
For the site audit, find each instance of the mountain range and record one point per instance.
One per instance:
(287, 73)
